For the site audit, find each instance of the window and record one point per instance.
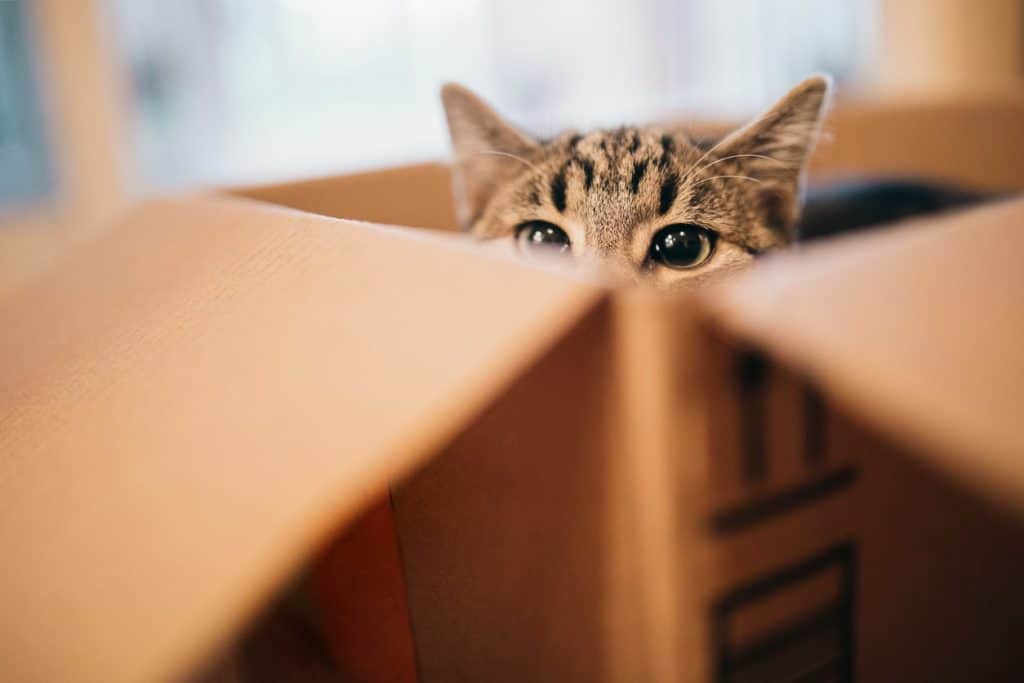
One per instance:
(248, 90)
(25, 172)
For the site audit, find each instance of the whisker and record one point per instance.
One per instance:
(705, 155)
(739, 156)
(496, 153)
(716, 177)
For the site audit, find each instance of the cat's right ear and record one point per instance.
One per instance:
(488, 150)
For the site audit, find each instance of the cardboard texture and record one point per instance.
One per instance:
(186, 410)
(811, 471)
(907, 489)
(974, 141)
(957, 390)
(414, 196)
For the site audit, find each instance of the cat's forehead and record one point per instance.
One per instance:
(608, 147)
(610, 181)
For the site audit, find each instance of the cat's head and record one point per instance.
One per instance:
(651, 202)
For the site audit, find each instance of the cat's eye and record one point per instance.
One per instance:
(540, 235)
(681, 246)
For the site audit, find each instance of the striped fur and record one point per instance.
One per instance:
(611, 190)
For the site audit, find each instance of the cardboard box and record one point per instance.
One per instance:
(813, 470)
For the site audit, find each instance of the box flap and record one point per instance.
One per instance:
(972, 141)
(417, 195)
(194, 402)
(917, 330)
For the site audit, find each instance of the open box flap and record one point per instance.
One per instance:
(919, 330)
(191, 404)
(970, 140)
(416, 195)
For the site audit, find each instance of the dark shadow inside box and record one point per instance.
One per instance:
(284, 644)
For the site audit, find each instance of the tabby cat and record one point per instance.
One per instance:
(651, 203)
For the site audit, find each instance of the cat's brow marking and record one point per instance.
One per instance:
(698, 194)
(558, 190)
(668, 146)
(533, 195)
(588, 170)
(639, 169)
(669, 189)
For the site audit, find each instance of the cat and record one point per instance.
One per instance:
(651, 203)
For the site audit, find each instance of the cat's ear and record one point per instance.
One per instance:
(774, 148)
(488, 150)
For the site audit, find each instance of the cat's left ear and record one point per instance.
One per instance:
(488, 150)
(774, 149)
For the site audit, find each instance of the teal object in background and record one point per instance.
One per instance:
(26, 173)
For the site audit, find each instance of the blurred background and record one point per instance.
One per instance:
(104, 101)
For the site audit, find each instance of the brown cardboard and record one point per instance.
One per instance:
(214, 401)
(415, 196)
(904, 433)
(973, 140)
(841, 547)
(587, 484)
(956, 389)
(359, 600)
(538, 546)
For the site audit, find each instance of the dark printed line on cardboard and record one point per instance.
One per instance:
(748, 514)
(835, 661)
